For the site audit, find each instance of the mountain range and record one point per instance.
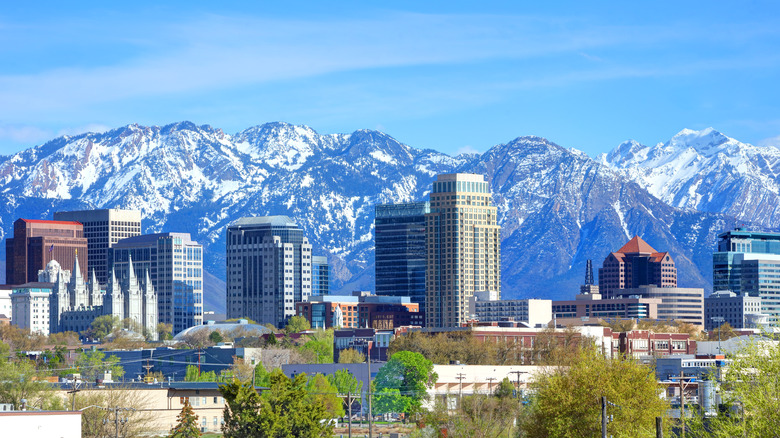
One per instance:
(558, 207)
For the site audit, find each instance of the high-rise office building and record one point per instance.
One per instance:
(401, 251)
(102, 229)
(174, 264)
(320, 276)
(748, 263)
(37, 242)
(636, 264)
(269, 269)
(463, 242)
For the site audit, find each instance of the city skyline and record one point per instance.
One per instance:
(451, 77)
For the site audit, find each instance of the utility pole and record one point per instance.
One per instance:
(117, 420)
(460, 377)
(518, 380)
(370, 420)
(74, 391)
(684, 380)
(603, 417)
(490, 384)
(349, 409)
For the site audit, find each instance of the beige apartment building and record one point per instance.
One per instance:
(463, 242)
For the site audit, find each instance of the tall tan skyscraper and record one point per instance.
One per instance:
(464, 247)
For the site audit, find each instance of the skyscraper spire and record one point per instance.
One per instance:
(588, 273)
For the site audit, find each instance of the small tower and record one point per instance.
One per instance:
(58, 302)
(589, 288)
(77, 288)
(150, 307)
(113, 301)
(133, 298)
(95, 294)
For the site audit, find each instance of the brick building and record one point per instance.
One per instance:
(636, 264)
(37, 242)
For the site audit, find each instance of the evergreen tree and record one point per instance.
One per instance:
(187, 423)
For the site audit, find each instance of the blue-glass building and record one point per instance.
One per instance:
(401, 250)
(748, 263)
(320, 276)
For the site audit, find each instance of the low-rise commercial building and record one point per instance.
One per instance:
(677, 303)
(534, 312)
(360, 310)
(592, 305)
(740, 311)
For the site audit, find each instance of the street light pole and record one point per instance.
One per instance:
(719, 319)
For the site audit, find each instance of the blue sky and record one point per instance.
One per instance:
(444, 75)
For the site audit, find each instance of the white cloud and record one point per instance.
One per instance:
(92, 127)
(467, 149)
(771, 141)
(218, 52)
(24, 134)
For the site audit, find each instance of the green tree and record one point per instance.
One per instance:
(750, 389)
(286, 411)
(262, 376)
(411, 374)
(389, 400)
(186, 424)
(270, 339)
(345, 382)
(297, 324)
(322, 391)
(350, 355)
(20, 380)
(505, 389)
(567, 399)
(193, 375)
(242, 410)
(102, 326)
(289, 412)
(478, 416)
(216, 337)
(93, 364)
(319, 347)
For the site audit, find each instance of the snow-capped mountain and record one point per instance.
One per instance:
(707, 171)
(557, 206)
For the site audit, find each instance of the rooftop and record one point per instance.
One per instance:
(147, 239)
(274, 221)
(637, 246)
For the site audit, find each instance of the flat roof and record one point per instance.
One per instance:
(41, 221)
(279, 221)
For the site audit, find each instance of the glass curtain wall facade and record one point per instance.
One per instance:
(748, 263)
(320, 276)
(463, 247)
(269, 269)
(174, 263)
(401, 250)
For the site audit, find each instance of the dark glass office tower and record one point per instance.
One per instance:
(748, 264)
(320, 276)
(269, 269)
(401, 250)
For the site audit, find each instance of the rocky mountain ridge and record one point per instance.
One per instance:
(557, 207)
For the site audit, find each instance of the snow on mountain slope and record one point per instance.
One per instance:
(557, 206)
(708, 171)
